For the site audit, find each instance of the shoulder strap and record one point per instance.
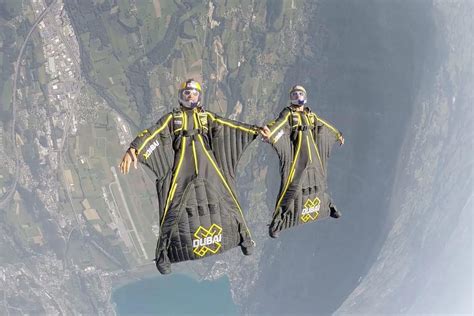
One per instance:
(312, 118)
(177, 121)
(294, 119)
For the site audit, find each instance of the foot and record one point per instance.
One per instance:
(163, 268)
(247, 247)
(272, 233)
(163, 264)
(334, 212)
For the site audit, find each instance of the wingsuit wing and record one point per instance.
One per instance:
(154, 146)
(325, 137)
(229, 139)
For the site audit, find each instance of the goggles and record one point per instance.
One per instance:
(297, 94)
(189, 92)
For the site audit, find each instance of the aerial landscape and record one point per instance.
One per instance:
(80, 79)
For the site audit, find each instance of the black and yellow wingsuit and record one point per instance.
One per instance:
(194, 155)
(303, 142)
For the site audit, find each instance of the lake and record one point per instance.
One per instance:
(175, 294)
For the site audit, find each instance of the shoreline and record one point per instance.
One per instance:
(149, 271)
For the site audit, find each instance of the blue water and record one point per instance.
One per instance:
(175, 295)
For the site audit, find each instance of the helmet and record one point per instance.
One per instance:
(298, 95)
(187, 87)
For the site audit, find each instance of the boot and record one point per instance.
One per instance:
(163, 263)
(272, 232)
(247, 247)
(334, 212)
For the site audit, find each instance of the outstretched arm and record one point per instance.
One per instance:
(247, 128)
(140, 147)
(270, 132)
(322, 123)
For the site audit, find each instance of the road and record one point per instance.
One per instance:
(4, 202)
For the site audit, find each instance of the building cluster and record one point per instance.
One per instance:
(39, 288)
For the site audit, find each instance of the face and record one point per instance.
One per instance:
(297, 95)
(298, 98)
(191, 95)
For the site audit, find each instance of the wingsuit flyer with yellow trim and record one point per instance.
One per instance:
(194, 154)
(303, 142)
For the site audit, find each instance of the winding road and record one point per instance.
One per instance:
(4, 202)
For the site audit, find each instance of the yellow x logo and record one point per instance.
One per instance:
(207, 240)
(311, 210)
